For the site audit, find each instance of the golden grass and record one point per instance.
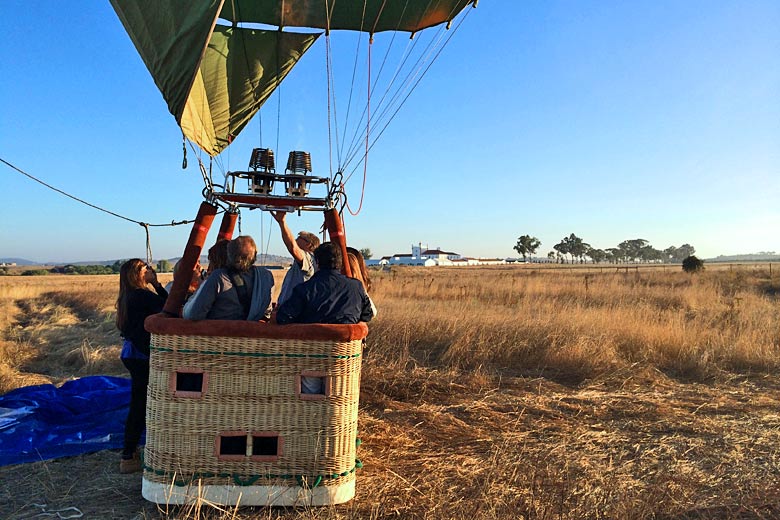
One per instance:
(489, 393)
(574, 325)
(57, 328)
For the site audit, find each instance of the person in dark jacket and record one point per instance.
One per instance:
(329, 296)
(134, 304)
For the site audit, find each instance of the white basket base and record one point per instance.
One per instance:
(160, 493)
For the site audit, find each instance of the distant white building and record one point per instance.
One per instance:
(433, 257)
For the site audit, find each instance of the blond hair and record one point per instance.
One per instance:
(358, 267)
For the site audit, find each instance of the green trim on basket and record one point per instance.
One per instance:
(303, 481)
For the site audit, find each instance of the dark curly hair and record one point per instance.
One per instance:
(328, 256)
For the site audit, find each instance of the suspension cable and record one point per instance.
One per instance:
(144, 225)
(172, 223)
(268, 239)
(352, 83)
(278, 86)
(355, 143)
(328, 81)
(368, 132)
(414, 86)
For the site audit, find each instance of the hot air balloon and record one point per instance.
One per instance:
(226, 420)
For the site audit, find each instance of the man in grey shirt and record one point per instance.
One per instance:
(241, 291)
(301, 249)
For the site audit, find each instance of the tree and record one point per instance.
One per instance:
(577, 248)
(692, 265)
(366, 252)
(632, 248)
(551, 255)
(163, 266)
(614, 254)
(650, 254)
(527, 245)
(670, 253)
(572, 245)
(562, 248)
(35, 272)
(596, 255)
(684, 251)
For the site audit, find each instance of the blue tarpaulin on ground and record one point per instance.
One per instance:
(47, 422)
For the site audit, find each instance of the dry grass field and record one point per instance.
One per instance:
(487, 393)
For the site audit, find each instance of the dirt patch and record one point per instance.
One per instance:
(90, 483)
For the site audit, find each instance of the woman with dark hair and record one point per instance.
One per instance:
(218, 255)
(134, 304)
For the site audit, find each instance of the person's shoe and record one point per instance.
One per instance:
(130, 465)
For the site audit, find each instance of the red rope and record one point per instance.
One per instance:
(368, 128)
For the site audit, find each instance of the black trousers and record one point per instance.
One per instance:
(136, 416)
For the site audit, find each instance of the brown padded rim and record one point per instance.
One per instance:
(164, 324)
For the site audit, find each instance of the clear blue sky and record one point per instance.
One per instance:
(656, 119)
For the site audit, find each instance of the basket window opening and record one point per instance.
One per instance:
(265, 445)
(232, 445)
(313, 385)
(189, 382)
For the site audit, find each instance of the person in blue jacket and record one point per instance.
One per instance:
(134, 304)
(328, 296)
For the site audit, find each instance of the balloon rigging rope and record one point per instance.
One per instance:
(367, 112)
(352, 83)
(414, 86)
(368, 132)
(148, 245)
(145, 225)
(329, 80)
(278, 88)
(355, 143)
(327, 72)
(331, 92)
(403, 84)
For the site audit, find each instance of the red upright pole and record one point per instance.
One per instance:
(338, 237)
(200, 228)
(228, 224)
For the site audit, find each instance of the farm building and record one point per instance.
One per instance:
(433, 257)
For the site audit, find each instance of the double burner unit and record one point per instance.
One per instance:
(263, 180)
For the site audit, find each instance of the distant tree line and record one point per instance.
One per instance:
(573, 249)
(70, 269)
(88, 269)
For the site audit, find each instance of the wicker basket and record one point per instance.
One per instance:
(227, 421)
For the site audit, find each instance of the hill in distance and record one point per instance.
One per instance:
(17, 261)
(261, 259)
(763, 256)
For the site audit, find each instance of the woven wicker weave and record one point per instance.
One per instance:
(251, 386)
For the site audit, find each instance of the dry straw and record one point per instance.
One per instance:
(504, 393)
